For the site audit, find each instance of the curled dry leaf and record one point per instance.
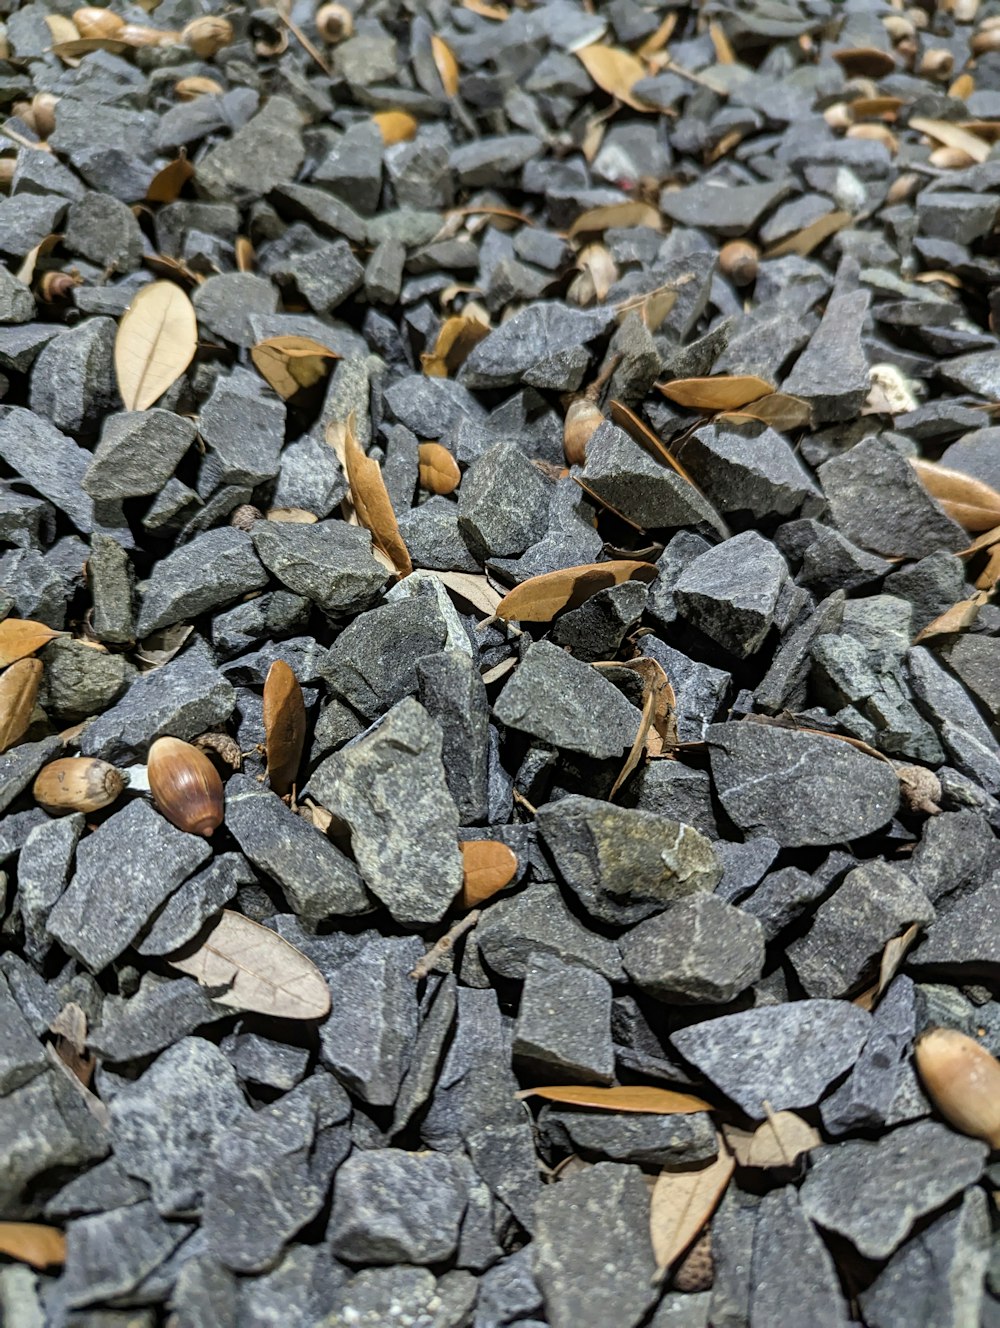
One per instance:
(32, 1243)
(893, 955)
(724, 392)
(292, 363)
(160, 647)
(284, 726)
(956, 619)
(629, 1097)
(20, 637)
(540, 598)
(456, 340)
(446, 65)
(256, 969)
(684, 1198)
(778, 1142)
(487, 866)
(166, 184)
(778, 409)
(18, 692)
(970, 502)
(371, 501)
(439, 470)
(246, 259)
(156, 341)
(658, 727)
(615, 72)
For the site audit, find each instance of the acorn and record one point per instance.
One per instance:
(334, 23)
(135, 34)
(43, 108)
(950, 159)
(54, 287)
(738, 261)
(937, 63)
(985, 40)
(583, 418)
(8, 165)
(185, 786)
(207, 35)
(93, 22)
(188, 89)
(962, 1079)
(77, 784)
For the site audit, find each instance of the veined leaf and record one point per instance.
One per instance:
(156, 341)
(598, 219)
(684, 1198)
(284, 726)
(20, 637)
(474, 589)
(540, 598)
(724, 392)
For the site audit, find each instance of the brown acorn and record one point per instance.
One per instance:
(334, 23)
(738, 261)
(185, 786)
(207, 35)
(583, 418)
(7, 168)
(962, 1079)
(93, 22)
(77, 784)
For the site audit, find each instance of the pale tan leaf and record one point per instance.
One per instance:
(258, 968)
(629, 1097)
(487, 867)
(810, 237)
(246, 259)
(26, 271)
(284, 726)
(658, 40)
(456, 339)
(778, 409)
(32, 1243)
(615, 72)
(70, 52)
(296, 516)
(371, 502)
(893, 955)
(724, 392)
(474, 590)
(990, 575)
(777, 1142)
(446, 64)
(61, 28)
(160, 647)
(948, 133)
(20, 637)
(439, 470)
(156, 341)
(18, 693)
(956, 619)
(684, 1198)
(652, 306)
(658, 724)
(166, 184)
(540, 598)
(395, 126)
(484, 10)
(292, 363)
(596, 220)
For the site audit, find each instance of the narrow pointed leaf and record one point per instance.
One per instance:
(284, 726)
(629, 1097)
(540, 598)
(371, 502)
(447, 65)
(724, 392)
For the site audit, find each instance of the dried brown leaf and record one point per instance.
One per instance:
(629, 1097)
(777, 1142)
(70, 52)
(540, 598)
(296, 516)
(32, 1243)
(987, 540)
(167, 183)
(20, 637)
(684, 1198)
(156, 341)
(292, 363)
(892, 958)
(284, 726)
(456, 339)
(724, 52)
(973, 519)
(810, 237)
(439, 470)
(969, 501)
(484, 10)
(246, 259)
(18, 692)
(990, 575)
(615, 72)
(956, 619)
(371, 502)
(395, 126)
(658, 725)
(652, 306)
(638, 430)
(876, 108)
(487, 866)
(599, 219)
(446, 65)
(258, 969)
(160, 647)
(26, 271)
(952, 136)
(865, 61)
(724, 392)
(778, 409)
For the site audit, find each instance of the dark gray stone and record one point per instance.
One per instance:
(330, 562)
(436, 1024)
(22, 1055)
(17, 304)
(213, 569)
(624, 864)
(25, 221)
(377, 1295)
(537, 922)
(592, 1253)
(137, 453)
(873, 1192)
(533, 346)
(261, 1060)
(782, 897)
(109, 1254)
(72, 380)
(318, 881)
(111, 584)
(390, 788)
(724, 209)
(963, 939)
(124, 871)
(395, 1207)
(841, 793)
(964, 734)
(700, 689)
(265, 153)
(21, 764)
(957, 851)
(562, 701)
(732, 1251)
(782, 1054)
(831, 374)
(931, 585)
(193, 903)
(792, 1272)
(564, 1022)
(243, 427)
(677, 792)
(700, 950)
(205, 1295)
(503, 503)
(103, 1187)
(46, 459)
(43, 869)
(105, 231)
(648, 1140)
(596, 629)
(261, 618)
(975, 660)
(731, 592)
(156, 1016)
(227, 305)
(865, 1099)
(310, 478)
(452, 692)
(754, 474)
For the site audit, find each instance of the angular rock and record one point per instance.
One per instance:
(963, 940)
(162, 1011)
(43, 869)
(865, 1099)
(137, 453)
(503, 503)
(701, 950)
(753, 474)
(731, 592)
(109, 1254)
(72, 380)
(213, 569)
(564, 1022)
(648, 1140)
(537, 922)
(46, 459)
(330, 562)
(193, 903)
(391, 1207)
(792, 1266)
(540, 342)
(832, 372)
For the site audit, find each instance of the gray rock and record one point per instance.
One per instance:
(194, 902)
(875, 902)
(166, 1124)
(648, 1140)
(931, 585)
(310, 478)
(537, 922)
(700, 950)
(390, 788)
(832, 372)
(938, 1275)
(677, 792)
(596, 629)
(330, 562)
(865, 1099)
(877, 501)
(328, 215)
(873, 1192)
(377, 1295)
(436, 1023)
(508, 1292)
(43, 869)
(352, 169)
(215, 568)
(841, 794)
(137, 453)
(732, 1252)
(503, 503)
(181, 699)
(262, 618)
(22, 1055)
(562, 701)
(243, 427)
(783, 1054)
(793, 1276)
(784, 684)
(964, 734)
(975, 660)
(534, 342)
(700, 690)
(751, 473)
(72, 380)
(111, 585)
(26, 220)
(432, 407)
(110, 1254)
(592, 1254)
(46, 459)
(782, 897)
(564, 1022)
(318, 881)
(963, 940)
(227, 305)
(21, 764)
(725, 210)
(105, 231)
(452, 692)
(624, 864)
(103, 1187)
(205, 1295)
(265, 153)
(261, 1060)
(395, 1207)
(731, 592)
(161, 1012)
(124, 871)
(17, 304)
(957, 851)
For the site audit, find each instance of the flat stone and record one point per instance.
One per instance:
(166, 1123)
(731, 592)
(193, 903)
(318, 881)
(111, 584)
(783, 1054)
(755, 474)
(390, 1207)
(841, 794)
(792, 1266)
(109, 1254)
(390, 788)
(592, 1255)
(872, 1192)
(378, 1295)
(700, 950)
(865, 1099)
(437, 1020)
(17, 304)
(624, 864)
(227, 305)
(452, 692)
(215, 568)
(21, 764)
(537, 922)
(564, 1022)
(831, 374)
(72, 380)
(963, 940)
(243, 427)
(957, 852)
(124, 871)
(964, 734)
(44, 867)
(137, 453)
(22, 1055)
(875, 902)
(648, 1140)
(46, 459)
(105, 231)
(975, 660)
(562, 701)
(265, 153)
(782, 897)
(161, 1012)
(503, 503)
(724, 209)
(262, 1060)
(45, 1125)
(528, 341)
(330, 562)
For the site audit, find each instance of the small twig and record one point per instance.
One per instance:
(15, 137)
(305, 43)
(445, 944)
